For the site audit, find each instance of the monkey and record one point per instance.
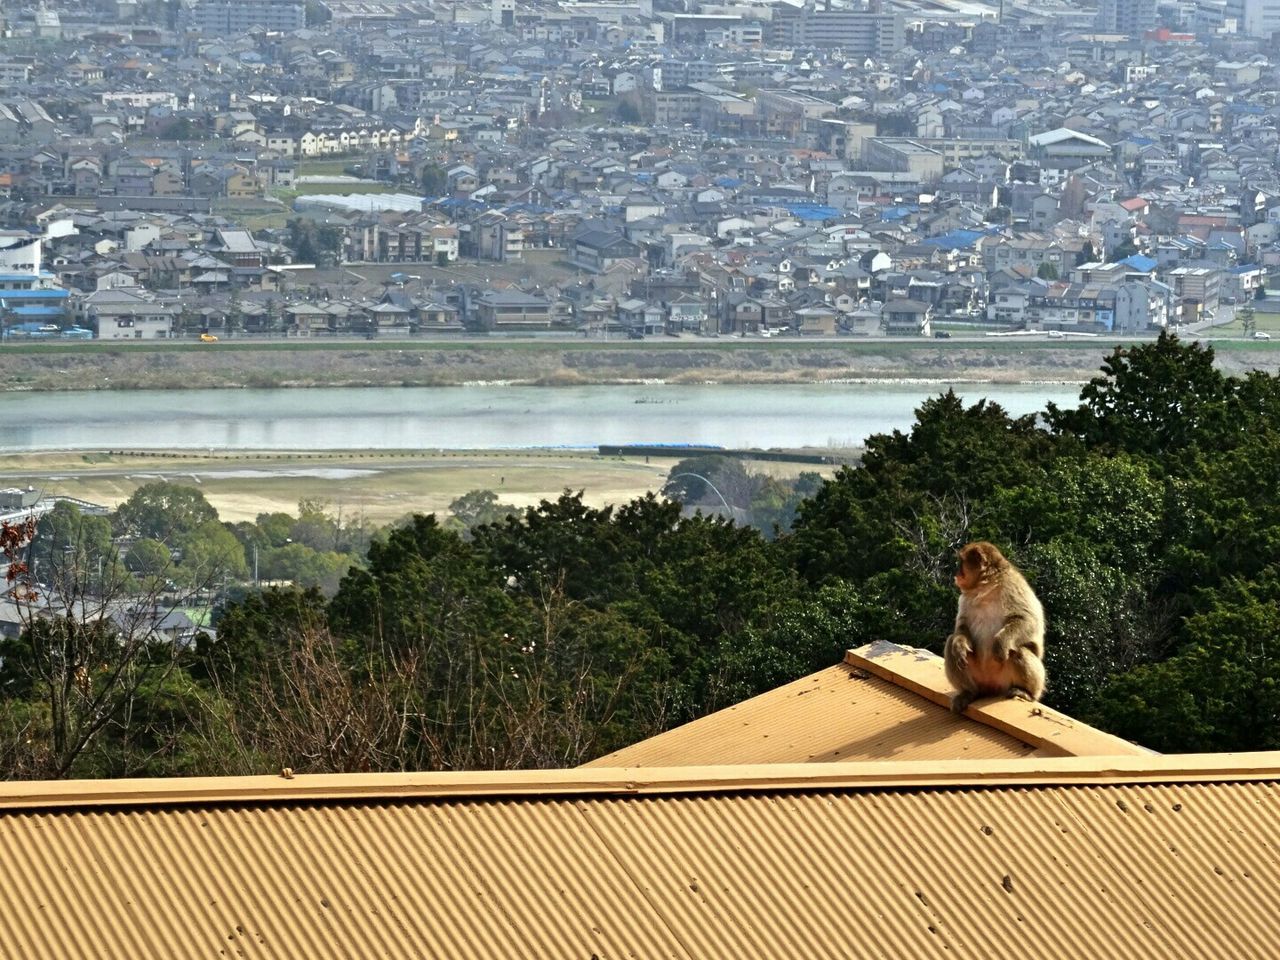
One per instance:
(997, 646)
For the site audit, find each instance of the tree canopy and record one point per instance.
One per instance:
(1147, 517)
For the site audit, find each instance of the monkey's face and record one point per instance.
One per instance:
(972, 570)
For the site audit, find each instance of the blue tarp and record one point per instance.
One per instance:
(37, 311)
(1138, 262)
(807, 211)
(20, 295)
(956, 239)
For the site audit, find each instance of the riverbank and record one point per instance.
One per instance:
(106, 366)
(381, 487)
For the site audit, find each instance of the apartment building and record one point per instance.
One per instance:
(229, 18)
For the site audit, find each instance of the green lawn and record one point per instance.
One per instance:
(328, 167)
(1266, 322)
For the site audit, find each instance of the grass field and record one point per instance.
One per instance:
(323, 168)
(381, 487)
(1263, 322)
(570, 342)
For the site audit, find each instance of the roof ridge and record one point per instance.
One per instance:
(1042, 727)
(648, 781)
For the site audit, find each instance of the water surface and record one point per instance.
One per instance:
(484, 417)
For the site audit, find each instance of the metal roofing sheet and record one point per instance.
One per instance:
(884, 702)
(1043, 869)
(838, 714)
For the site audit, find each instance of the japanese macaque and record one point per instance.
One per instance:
(997, 647)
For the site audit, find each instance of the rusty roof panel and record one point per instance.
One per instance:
(1164, 869)
(839, 714)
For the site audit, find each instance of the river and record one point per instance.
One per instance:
(486, 417)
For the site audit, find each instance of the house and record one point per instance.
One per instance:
(239, 248)
(907, 318)
(641, 316)
(498, 237)
(687, 313)
(444, 243)
(128, 313)
(1009, 832)
(816, 321)
(1066, 149)
(511, 310)
(385, 319)
(598, 250)
(305, 319)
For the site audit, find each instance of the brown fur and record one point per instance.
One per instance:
(997, 646)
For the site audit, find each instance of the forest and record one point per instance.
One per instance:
(1147, 518)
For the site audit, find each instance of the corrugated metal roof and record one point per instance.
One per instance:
(842, 713)
(1068, 857)
(884, 702)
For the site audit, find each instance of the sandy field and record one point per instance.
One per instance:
(381, 487)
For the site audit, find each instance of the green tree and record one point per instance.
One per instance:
(303, 241)
(1047, 271)
(1123, 251)
(163, 511)
(317, 13)
(316, 526)
(1248, 322)
(433, 180)
(235, 311)
(67, 541)
(306, 567)
(1159, 399)
(82, 674)
(276, 528)
(148, 558)
(211, 554)
(421, 581)
(909, 504)
(247, 631)
(1221, 691)
(478, 507)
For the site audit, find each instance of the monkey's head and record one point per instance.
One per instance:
(980, 563)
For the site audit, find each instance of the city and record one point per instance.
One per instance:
(618, 170)
(571, 479)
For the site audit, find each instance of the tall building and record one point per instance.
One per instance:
(229, 18)
(1130, 17)
(1255, 18)
(503, 13)
(861, 32)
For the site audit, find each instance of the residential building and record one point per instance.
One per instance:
(856, 32)
(232, 18)
(1132, 18)
(511, 310)
(907, 318)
